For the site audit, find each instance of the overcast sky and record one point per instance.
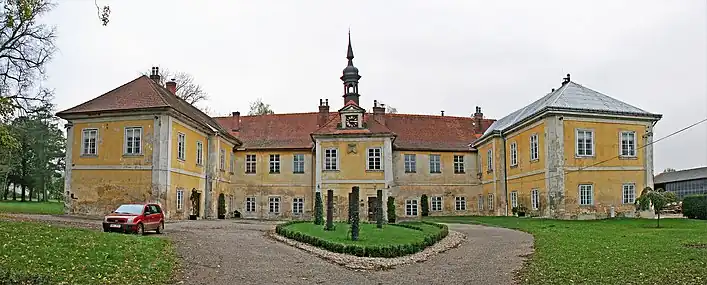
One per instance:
(418, 56)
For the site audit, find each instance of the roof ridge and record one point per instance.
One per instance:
(153, 84)
(101, 96)
(263, 115)
(561, 92)
(608, 97)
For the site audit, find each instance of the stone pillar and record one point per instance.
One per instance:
(388, 174)
(67, 171)
(554, 167)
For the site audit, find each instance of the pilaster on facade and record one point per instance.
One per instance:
(648, 154)
(161, 142)
(213, 148)
(554, 167)
(67, 170)
(502, 193)
(317, 166)
(388, 174)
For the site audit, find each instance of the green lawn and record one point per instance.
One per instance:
(49, 208)
(77, 256)
(368, 235)
(617, 251)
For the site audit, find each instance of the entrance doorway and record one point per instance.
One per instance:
(372, 208)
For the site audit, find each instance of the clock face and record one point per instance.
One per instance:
(351, 121)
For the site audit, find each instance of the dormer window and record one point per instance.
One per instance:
(352, 121)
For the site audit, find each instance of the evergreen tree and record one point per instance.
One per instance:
(424, 204)
(355, 218)
(379, 208)
(329, 210)
(391, 209)
(318, 209)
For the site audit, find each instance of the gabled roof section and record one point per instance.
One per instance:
(351, 106)
(681, 175)
(275, 131)
(434, 133)
(372, 127)
(571, 97)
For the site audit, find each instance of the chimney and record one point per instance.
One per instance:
(442, 113)
(171, 86)
(155, 74)
(379, 112)
(478, 118)
(323, 117)
(566, 79)
(236, 121)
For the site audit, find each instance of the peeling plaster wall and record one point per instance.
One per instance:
(98, 192)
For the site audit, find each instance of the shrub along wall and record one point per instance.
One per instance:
(367, 251)
(695, 207)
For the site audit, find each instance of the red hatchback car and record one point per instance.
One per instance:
(135, 218)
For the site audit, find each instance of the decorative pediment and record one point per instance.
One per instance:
(351, 107)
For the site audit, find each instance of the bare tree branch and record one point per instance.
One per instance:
(187, 89)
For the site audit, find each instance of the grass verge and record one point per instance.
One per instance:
(47, 208)
(612, 251)
(43, 254)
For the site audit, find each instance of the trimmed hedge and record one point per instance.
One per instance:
(695, 207)
(367, 251)
(15, 278)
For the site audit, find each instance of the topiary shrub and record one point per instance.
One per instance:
(318, 209)
(379, 208)
(221, 206)
(695, 207)
(355, 228)
(425, 205)
(391, 209)
(351, 205)
(329, 210)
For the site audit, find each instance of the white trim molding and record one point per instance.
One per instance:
(531, 173)
(111, 167)
(185, 172)
(605, 168)
(360, 181)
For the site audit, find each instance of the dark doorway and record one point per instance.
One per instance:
(372, 208)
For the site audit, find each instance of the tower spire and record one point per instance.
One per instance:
(349, 53)
(350, 77)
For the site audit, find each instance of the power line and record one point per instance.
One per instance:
(612, 158)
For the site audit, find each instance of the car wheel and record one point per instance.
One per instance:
(160, 228)
(141, 229)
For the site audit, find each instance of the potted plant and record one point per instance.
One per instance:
(221, 206)
(194, 198)
(522, 210)
(514, 210)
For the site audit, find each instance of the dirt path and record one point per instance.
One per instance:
(231, 252)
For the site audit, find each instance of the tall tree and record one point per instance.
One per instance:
(257, 107)
(187, 88)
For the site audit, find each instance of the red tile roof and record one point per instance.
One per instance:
(275, 130)
(333, 127)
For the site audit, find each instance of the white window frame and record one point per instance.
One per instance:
(490, 200)
(298, 163)
(460, 203)
(274, 204)
(251, 163)
(274, 163)
(435, 164)
(199, 153)
(514, 199)
(631, 144)
(298, 205)
(222, 160)
(250, 204)
(331, 159)
(489, 160)
(585, 187)
(130, 133)
(628, 193)
(374, 158)
(411, 208)
(232, 163)
(534, 147)
(410, 160)
(586, 153)
(181, 146)
(180, 199)
(535, 199)
(86, 135)
(459, 164)
(480, 203)
(436, 204)
(514, 154)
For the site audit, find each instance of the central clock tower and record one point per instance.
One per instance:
(350, 77)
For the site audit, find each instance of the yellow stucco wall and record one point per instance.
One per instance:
(524, 186)
(262, 174)
(110, 141)
(191, 137)
(353, 165)
(98, 192)
(494, 144)
(522, 140)
(606, 143)
(186, 183)
(608, 191)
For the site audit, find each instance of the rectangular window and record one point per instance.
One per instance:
(331, 159)
(274, 163)
(250, 204)
(436, 203)
(629, 193)
(250, 163)
(89, 139)
(298, 205)
(133, 140)
(180, 199)
(374, 158)
(458, 164)
(514, 154)
(586, 194)
(222, 160)
(274, 203)
(535, 199)
(585, 143)
(489, 160)
(435, 163)
(534, 154)
(232, 163)
(298, 163)
(460, 203)
(490, 202)
(410, 163)
(199, 153)
(628, 144)
(480, 203)
(514, 199)
(411, 207)
(181, 140)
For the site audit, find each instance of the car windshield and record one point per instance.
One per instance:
(129, 209)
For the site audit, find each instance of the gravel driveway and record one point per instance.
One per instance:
(238, 252)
